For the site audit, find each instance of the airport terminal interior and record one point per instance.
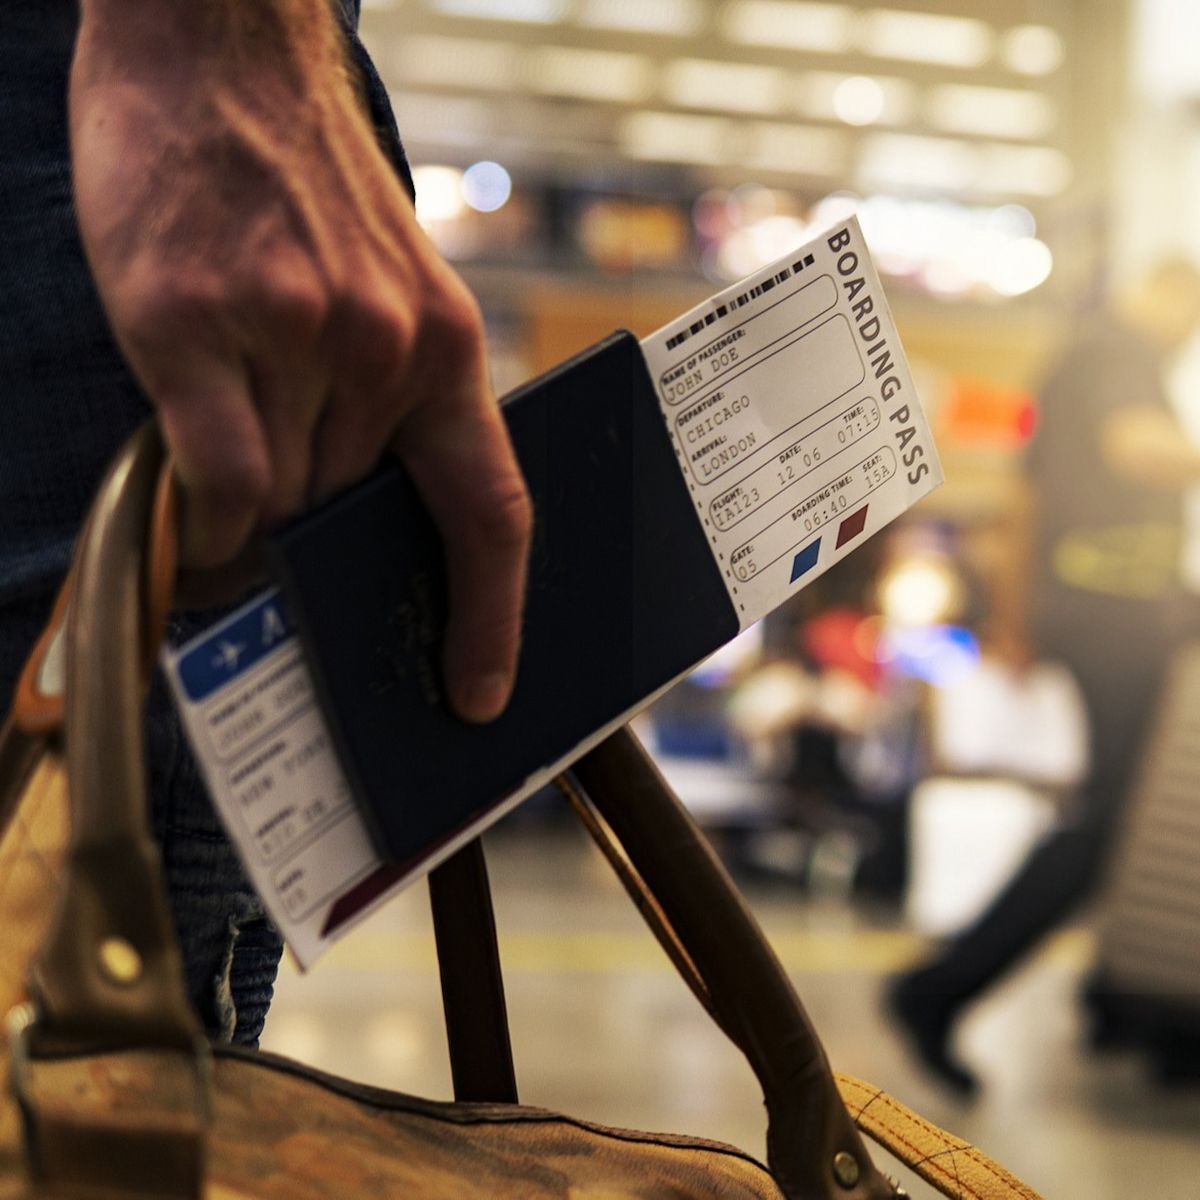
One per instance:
(876, 759)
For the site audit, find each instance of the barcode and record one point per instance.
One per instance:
(739, 301)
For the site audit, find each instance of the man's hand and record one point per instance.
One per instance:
(267, 281)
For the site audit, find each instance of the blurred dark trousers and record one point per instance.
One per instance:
(1119, 652)
(66, 403)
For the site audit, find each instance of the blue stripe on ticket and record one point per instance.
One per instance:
(806, 560)
(231, 648)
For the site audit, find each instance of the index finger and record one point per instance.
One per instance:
(457, 451)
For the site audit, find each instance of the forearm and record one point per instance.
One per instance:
(282, 43)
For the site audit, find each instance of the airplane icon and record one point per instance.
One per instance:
(228, 655)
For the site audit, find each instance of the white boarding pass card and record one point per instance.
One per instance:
(245, 695)
(794, 416)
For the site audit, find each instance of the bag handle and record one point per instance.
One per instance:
(813, 1148)
(110, 967)
(953, 1166)
(109, 973)
(38, 706)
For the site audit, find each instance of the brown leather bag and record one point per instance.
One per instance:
(112, 1093)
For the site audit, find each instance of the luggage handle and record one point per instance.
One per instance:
(813, 1148)
(110, 969)
(109, 973)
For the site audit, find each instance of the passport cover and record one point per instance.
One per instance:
(624, 596)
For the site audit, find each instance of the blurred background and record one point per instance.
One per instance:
(922, 728)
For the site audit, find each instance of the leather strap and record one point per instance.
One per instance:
(813, 1148)
(954, 1167)
(643, 899)
(113, 892)
(464, 925)
(19, 753)
(162, 565)
(38, 705)
(110, 972)
(951, 1165)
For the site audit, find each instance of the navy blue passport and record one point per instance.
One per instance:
(624, 595)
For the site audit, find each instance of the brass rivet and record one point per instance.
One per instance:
(120, 961)
(846, 1170)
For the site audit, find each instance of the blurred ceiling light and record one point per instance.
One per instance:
(439, 193)
(991, 111)
(675, 137)
(468, 62)
(734, 87)
(946, 277)
(1013, 220)
(753, 225)
(1024, 170)
(1032, 50)
(1164, 39)
(752, 202)
(797, 149)
(816, 94)
(1025, 264)
(926, 37)
(907, 236)
(486, 186)
(908, 160)
(948, 248)
(790, 25)
(895, 160)
(714, 213)
(859, 100)
(537, 12)
(589, 74)
(678, 17)
(837, 206)
(746, 250)
(920, 590)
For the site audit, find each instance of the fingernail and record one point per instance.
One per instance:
(484, 698)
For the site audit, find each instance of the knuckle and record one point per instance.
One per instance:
(451, 319)
(505, 522)
(155, 303)
(228, 480)
(299, 306)
(459, 324)
(241, 489)
(377, 333)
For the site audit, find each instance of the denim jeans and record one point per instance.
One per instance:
(67, 401)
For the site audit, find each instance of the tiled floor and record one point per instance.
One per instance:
(602, 1028)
